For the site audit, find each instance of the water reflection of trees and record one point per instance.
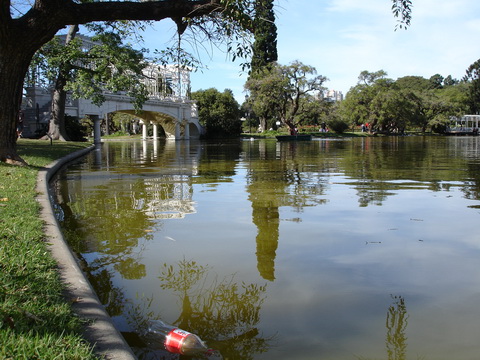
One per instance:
(222, 312)
(397, 321)
(379, 168)
(277, 178)
(105, 222)
(396, 325)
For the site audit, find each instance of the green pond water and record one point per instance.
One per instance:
(364, 248)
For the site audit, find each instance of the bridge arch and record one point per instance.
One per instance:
(172, 127)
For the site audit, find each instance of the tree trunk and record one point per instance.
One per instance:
(56, 127)
(12, 71)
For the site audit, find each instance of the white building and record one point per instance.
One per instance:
(332, 95)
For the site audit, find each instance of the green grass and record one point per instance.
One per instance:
(36, 321)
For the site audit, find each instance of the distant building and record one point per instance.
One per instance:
(333, 95)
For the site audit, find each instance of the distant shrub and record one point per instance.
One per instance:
(76, 131)
(338, 126)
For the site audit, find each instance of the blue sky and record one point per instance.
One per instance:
(341, 38)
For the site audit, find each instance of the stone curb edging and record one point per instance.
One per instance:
(99, 329)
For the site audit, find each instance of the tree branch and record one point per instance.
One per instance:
(147, 10)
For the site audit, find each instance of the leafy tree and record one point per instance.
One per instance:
(335, 122)
(280, 91)
(392, 106)
(393, 109)
(416, 83)
(314, 111)
(473, 78)
(369, 78)
(450, 81)
(436, 81)
(266, 91)
(355, 108)
(218, 112)
(436, 100)
(265, 36)
(22, 33)
(358, 107)
(88, 71)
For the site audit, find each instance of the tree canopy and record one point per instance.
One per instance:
(473, 76)
(390, 106)
(279, 92)
(219, 112)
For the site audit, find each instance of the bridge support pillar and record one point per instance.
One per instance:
(97, 135)
(177, 130)
(187, 130)
(144, 131)
(155, 131)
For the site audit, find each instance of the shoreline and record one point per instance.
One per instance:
(98, 327)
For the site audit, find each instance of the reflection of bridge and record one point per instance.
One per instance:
(166, 192)
(168, 106)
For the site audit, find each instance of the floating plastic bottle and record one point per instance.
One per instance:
(175, 340)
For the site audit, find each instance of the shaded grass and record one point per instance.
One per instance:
(36, 321)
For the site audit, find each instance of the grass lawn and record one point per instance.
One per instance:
(36, 321)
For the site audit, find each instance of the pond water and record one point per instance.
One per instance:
(364, 248)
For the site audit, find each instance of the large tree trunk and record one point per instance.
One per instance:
(12, 71)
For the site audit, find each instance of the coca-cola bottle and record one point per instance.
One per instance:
(175, 340)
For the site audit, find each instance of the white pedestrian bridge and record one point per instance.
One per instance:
(172, 117)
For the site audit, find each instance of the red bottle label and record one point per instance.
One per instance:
(175, 339)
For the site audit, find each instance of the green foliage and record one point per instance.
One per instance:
(266, 91)
(411, 101)
(76, 131)
(230, 27)
(265, 33)
(282, 92)
(369, 78)
(402, 9)
(121, 123)
(473, 78)
(416, 83)
(87, 124)
(108, 65)
(436, 81)
(218, 112)
(337, 125)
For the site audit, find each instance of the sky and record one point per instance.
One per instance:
(342, 38)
